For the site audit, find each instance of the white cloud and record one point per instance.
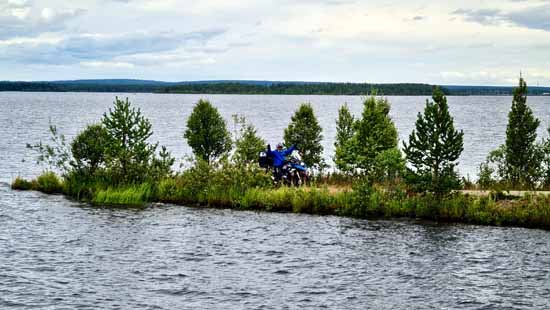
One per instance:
(450, 42)
(106, 64)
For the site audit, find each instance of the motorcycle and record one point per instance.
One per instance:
(297, 172)
(292, 172)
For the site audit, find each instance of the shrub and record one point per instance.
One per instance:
(89, 148)
(49, 183)
(247, 143)
(21, 184)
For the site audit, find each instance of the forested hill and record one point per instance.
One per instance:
(296, 88)
(255, 87)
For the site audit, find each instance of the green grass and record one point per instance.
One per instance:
(48, 182)
(362, 201)
(136, 195)
(21, 184)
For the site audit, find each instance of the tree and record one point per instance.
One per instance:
(343, 153)
(206, 132)
(520, 146)
(89, 147)
(434, 147)
(247, 143)
(128, 155)
(375, 132)
(304, 131)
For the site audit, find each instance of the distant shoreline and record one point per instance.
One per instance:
(260, 88)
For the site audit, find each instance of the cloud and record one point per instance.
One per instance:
(534, 18)
(95, 50)
(21, 18)
(537, 17)
(109, 46)
(483, 16)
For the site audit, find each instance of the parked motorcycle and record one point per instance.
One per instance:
(292, 172)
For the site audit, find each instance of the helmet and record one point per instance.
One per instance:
(279, 146)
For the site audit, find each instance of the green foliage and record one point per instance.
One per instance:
(304, 131)
(161, 166)
(389, 166)
(343, 149)
(520, 147)
(89, 148)
(545, 168)
(206, 132)
(520, 162)
(57, 155)
(49, 183)
(247, 143)
(134, 195)
(129, 155)
(21, 184)
(285, 88)
(375, 132)
(434, 147)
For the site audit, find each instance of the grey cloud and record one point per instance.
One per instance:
(33, 22)
(484, 16)
(537, 17)
(104, 48)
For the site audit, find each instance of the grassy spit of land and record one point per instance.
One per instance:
(234, 190)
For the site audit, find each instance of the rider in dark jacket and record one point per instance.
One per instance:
(279, 154)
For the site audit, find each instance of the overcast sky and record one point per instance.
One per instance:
(441, 42)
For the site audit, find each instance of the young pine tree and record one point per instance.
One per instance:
(247, 143)
(434, 147)
(206, 132)
(304, 131)
(520, 146)
(375, 133)
(128, 154)
(343, 154)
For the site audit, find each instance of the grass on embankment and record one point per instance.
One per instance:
(363, 201)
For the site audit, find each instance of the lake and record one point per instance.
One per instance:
(60, 254)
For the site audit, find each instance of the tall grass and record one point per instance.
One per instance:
(135, 195)
(241, 188)
(48, 182)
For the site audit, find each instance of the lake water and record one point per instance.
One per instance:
(59, 254)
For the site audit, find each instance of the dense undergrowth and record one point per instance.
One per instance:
(249, 188)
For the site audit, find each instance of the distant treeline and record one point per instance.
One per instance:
(78, 87)
(303, 89)
(259, 87)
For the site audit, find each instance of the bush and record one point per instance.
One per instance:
(21, 184)
(49, 183)
(89, 148)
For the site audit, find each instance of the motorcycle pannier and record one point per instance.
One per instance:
(263, 160)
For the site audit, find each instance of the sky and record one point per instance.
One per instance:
(464, 42)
